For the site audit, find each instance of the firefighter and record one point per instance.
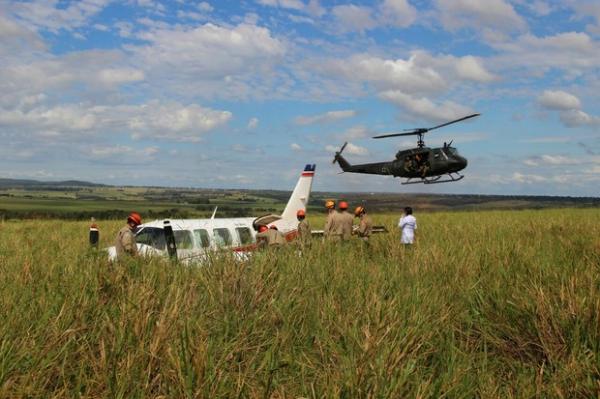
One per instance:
(331, 215)
(365, 225)
(125, 243)
(346, 221)
(262, 237)
(269, 237)
(276, 237)
(304, 233)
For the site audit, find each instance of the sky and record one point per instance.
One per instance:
(243, 94)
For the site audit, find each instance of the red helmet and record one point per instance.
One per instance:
(262, 228)
(300, 213)
(134, 218)
(343, 205)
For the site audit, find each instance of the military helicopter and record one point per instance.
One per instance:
(418, 165)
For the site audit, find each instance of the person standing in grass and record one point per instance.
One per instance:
(331, 223)
(408, 225)
(304, 233)
(125, 243)
(346, 221)
(365, 225)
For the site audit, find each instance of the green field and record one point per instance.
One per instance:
(493, 304)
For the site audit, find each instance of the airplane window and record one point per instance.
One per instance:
(183, 239)
(245, 235)
(222, 237)
(152, 236)
(202, 237)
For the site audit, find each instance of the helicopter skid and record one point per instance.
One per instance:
(434, 180)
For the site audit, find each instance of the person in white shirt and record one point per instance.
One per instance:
(408, 225)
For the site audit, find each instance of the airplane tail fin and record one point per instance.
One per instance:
(300, 195)
(345, 165)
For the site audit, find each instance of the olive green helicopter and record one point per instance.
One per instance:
(418, 165)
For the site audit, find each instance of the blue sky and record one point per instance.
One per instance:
(244, 93)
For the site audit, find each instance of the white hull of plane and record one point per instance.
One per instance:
(199, 239)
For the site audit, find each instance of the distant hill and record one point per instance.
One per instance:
(26, 183)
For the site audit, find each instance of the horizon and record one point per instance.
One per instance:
(233, 95)
(95, 184)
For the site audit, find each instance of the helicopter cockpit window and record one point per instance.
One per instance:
(452, 151)
(152, 236)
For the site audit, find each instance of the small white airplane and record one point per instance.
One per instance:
(196, 239)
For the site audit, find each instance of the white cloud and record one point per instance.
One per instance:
(421, 73)
(17, 39)
(489, 14)
(527, 178)
(292, 4)
(296, 147)
(50, 15)
(407, 75)
(174, 121)
(253, 123)
(424, 108)
(351, 149)
(204, 6)
(355, 133)
(120, 75)
(352, 18)
(559, 100)
(574, 52)
(171, 121)
(50, 121)
(576, 118)
(210, 59)
(570, 108)
(327, 117)
(103, 152)
(398, 13)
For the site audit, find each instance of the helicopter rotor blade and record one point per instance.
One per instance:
(344, 146)
(412, 132)
(454, 121)
(423, 130)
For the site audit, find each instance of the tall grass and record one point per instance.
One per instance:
(486, 304)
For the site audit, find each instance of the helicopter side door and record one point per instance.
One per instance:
(416, 164)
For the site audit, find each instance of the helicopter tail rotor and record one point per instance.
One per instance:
(338, 154)
(345, 165)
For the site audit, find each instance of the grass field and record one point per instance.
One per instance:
(493, 304)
